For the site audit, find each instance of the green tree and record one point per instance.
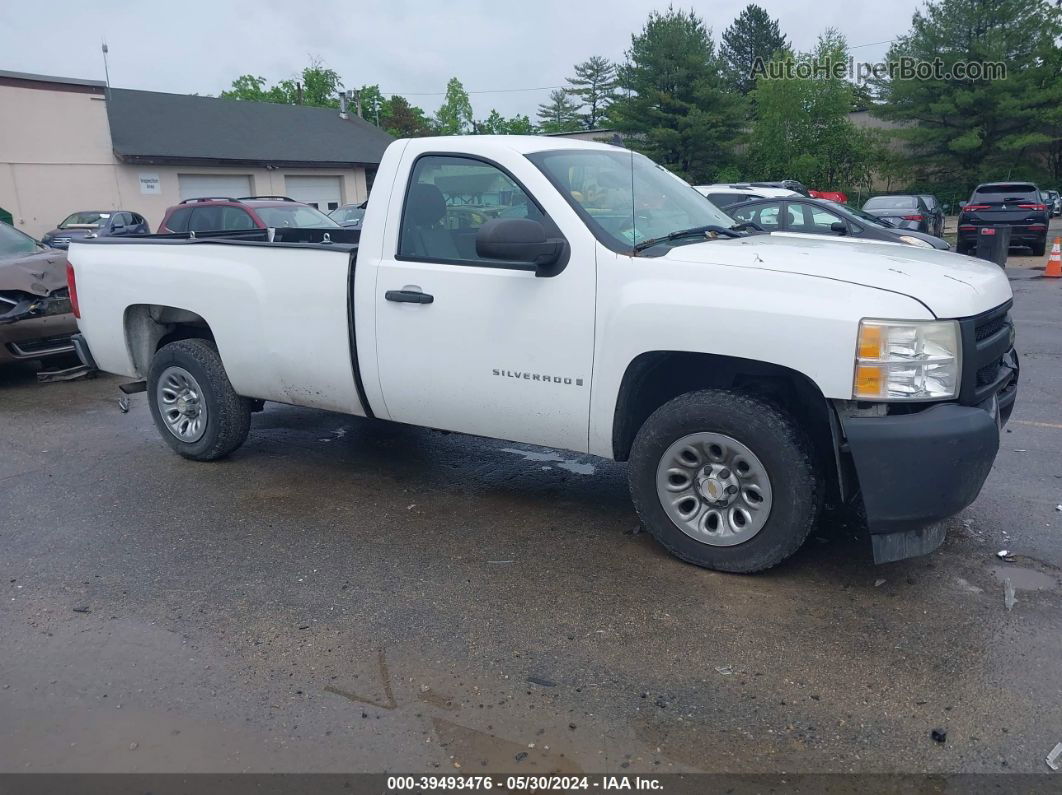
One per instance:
(677, 110)
(595, 86)
(974, 127)
(455, 115)
(520, 125)
(403, 120)
(753, 34)
(801, 128)
(560, 114)
(372, 104)
(317, 85)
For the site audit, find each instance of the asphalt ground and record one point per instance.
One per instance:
(348, 595)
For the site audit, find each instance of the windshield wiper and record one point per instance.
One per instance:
(697, 231)
(747, 225)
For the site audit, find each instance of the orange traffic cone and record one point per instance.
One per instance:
(1054, 262)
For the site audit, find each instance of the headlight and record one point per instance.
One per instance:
(907, 360)
(911, 240)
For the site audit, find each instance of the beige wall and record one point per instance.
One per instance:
(56, 158)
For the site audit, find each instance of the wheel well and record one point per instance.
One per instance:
(150, 326)
(654, 378)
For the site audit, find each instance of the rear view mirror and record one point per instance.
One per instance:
(519, 240)
(839, 228)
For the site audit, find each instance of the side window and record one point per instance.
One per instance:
(449, 199)
(766, 215)
(178, 220)
(205, 219)
(812, 220)
(235, 218)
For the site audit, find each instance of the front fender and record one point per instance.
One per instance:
(803, 323)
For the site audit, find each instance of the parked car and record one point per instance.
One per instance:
(220, 213)
(96, 223)
(349, 214)
(822, 217)
(598, 322)
(1054, 203)
(723, 196)
(936, 214)
(35, 314)
(830, 195)
(1018, 205)
(903, 212)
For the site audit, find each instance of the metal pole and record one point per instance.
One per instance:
(106, 71)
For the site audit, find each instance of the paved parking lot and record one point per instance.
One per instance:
(349, 595)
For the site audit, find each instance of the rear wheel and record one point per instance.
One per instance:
(725, 481)
(192, 402)
(1039, 248)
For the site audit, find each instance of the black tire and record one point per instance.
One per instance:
(961, 248)
(772, 435)
(1040, 248)
(228, 414)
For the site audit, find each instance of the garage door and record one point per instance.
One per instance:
(321, 192)
(198, 186)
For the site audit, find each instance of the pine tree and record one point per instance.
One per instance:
(752, 35)
(677, 109)
(974, 128)
(595, 86)
(560, 114)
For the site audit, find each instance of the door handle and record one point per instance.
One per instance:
(409, 297)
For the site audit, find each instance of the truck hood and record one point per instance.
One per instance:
(950, 285)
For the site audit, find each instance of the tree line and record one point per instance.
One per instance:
(708, 111)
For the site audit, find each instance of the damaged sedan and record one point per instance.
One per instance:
(35, 317)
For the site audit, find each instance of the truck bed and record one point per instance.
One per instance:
(250, 290)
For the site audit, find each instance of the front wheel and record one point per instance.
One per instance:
(725, 481)
(192, 402)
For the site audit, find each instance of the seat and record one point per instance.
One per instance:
(422, 235)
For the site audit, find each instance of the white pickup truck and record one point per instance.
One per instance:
(577, 296)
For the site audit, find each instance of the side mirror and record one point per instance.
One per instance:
(839, 227)
(521, 241)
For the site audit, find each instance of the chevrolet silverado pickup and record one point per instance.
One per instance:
(577, 296)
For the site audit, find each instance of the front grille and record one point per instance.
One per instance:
(986, 343)
(989, 327)
(988, 374)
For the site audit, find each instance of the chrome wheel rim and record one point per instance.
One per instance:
(714, 489)
(181, 404)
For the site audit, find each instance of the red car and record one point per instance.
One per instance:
(832, 195)
(220, 213)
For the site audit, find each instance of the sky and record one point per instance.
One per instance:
(409, 47)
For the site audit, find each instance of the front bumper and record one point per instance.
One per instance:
(917, 467)
(36, 329)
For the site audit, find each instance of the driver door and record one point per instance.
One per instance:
(467, 344)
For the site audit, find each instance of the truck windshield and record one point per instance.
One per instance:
(625, 198)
